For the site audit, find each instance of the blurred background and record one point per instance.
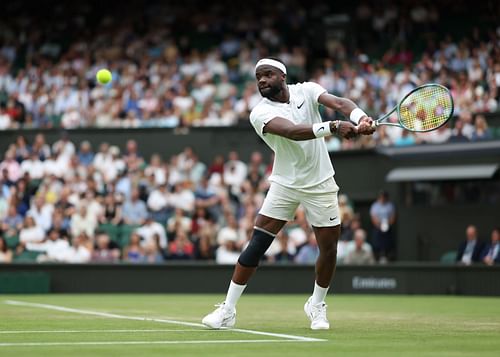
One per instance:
(162, 165)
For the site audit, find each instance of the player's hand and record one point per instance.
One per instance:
(365, 126)
(347, 130)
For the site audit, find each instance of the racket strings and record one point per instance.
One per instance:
(426, 109)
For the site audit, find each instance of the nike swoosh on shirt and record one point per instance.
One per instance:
(333, 219)
(300, 106)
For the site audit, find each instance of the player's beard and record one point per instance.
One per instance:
(270, 92)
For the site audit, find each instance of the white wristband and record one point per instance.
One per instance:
(357, 114)
(321, 129)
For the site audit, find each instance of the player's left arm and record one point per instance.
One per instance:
(349, 110)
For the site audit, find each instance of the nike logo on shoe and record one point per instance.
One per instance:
(300, 106)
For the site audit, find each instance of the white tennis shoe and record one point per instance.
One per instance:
(317, 314)
(220, 317)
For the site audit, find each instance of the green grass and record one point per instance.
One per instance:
(361, 326)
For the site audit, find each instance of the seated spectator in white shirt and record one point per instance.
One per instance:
(53, 247)
(33, 166)
(31, 233)
(228, 252)
(80, 251)
(83, 222)
(148, 231)
(359, 251)
(159, 202)
(41, 212)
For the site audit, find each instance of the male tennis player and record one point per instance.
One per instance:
(288, 120)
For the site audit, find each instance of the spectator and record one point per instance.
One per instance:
(309, 252)
(159, 203)
(359, 252)
(178, 221)
(41, 213)
(105, 250)
(469, 251)
(5, 252)
(53, 248)
(481, 130)
(383, 217)
(112, 210)
(31, 233)
(151, 229)
(134, 210)
(152, 252)
(85, 154)
(11, 165)
(83, 222)
(281, 250)
(33, 166)
(204, 245)
(227, 252)
(458, 135)
(490, 254)
(13, 222)
(80, 250)
(134, 252)
(22, 151)
(181, 248)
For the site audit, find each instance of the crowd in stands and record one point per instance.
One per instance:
(178, 67)
(62, 203)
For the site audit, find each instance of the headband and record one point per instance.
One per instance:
(271, 62)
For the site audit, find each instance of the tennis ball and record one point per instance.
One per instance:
(104, 76)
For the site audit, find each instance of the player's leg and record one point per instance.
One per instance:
(263, 234)
(278, 208)
(327, 238)
(323, 214)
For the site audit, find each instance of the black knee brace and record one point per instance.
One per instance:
(258, 245)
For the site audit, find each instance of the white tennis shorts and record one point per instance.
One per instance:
(320, 203)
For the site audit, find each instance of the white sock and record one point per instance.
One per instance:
(233, 294)
(319, 294)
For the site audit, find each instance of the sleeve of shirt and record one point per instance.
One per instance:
(313, 90)
(259, 117)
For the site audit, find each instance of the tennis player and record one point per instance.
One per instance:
(288, 120)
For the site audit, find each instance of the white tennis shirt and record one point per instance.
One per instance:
(297, 164)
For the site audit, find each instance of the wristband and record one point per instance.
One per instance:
(321, 129)
(356, 115)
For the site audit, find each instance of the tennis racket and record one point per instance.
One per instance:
(425, 108)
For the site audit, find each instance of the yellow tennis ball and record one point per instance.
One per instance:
(104, 76)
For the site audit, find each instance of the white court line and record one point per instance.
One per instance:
(174, 322)
(14, 332)
(94, 343)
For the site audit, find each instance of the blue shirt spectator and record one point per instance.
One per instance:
(134, 210)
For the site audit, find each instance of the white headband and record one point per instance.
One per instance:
(271, 62)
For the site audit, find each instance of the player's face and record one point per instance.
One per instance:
(269, 81)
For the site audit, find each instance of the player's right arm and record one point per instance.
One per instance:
(285, 128)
